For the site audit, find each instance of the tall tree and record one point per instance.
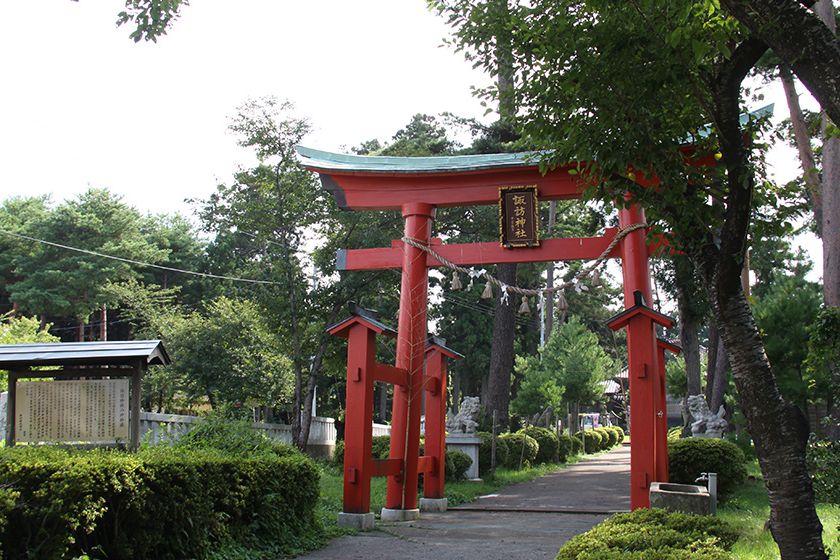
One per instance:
(622, 85)
(61, 283)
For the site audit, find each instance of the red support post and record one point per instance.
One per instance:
(361, 363)
(661, 447)
(641, 357)
(401, 495)
(435, 447)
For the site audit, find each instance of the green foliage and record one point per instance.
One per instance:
(674, 434)
(160, 503)
(620, 431)
(610, 437)
(232, 436)
(824, 353)
(653, 534)
(591, 440)
(381, 447)
(573, 351)
(783, 316)
(824, 463)
(228, 354)
(61, 283)
(522, 450)
(485, 450)
(689, 457)
(338, 453)
(457, 463)
(567, 447)
(21, 330)
(549, 445)
(151, 18)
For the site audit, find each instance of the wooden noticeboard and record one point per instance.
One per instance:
(519, 224)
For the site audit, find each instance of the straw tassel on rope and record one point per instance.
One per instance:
(488, 291)
(455, 285)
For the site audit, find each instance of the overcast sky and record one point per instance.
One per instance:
(81, 105)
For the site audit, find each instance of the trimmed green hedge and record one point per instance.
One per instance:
(485, 448)
(161, 503)
(520, 446)
(591, 440)
(688, 457)
(457, 463)
(568, 446)
(653, 534)
(547, 441)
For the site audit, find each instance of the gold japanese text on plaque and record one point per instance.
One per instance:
(519, 223)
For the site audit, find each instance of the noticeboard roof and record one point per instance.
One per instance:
(83, 353)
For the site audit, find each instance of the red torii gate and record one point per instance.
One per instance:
(416, 187)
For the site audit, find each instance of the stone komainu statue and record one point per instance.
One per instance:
(705, 423)
(465, 421)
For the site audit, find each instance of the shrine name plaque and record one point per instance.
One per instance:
(94, 411)
(519, 224)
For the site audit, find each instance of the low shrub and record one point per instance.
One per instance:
(621, 434)
(457, 463)
(485, 449)
(522, 450)
(689, 457)
(606, 438)
(591, 440)
(653, 534)
(675, 434)
(567, 447)
(824, 463)
(338, 453)
(163, 502)
(236, 437)
(547, 441)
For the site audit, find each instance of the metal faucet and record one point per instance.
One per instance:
(711, 483)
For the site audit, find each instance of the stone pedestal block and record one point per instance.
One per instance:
(389, 515)
(435, 505)
(466, 443)
(360, 521)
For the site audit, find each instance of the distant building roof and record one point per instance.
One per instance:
(83, 353)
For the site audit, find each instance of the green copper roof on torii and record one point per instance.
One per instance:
(329, 161)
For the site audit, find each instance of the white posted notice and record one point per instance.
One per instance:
(94, 411)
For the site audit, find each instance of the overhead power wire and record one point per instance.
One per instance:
(139, 263)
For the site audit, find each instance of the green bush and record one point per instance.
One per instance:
(521, 447)
(618, 435)
(485, 448)
(457, 463)
(338, 453)
(591, 440)
(621, 435)
(162, 503)
(547, 440)
(824, 464)
(653, 534)
(236, 437)
(381, 447)
(675, 434)
(607, 438)
(689, 457)
(567, 447)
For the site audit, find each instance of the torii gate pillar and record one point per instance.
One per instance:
(401, 498)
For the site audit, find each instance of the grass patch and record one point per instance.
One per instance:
(747, 510)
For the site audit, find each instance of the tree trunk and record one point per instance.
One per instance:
(103, 323)
(501, 354)
(720, 381)
(803, 144)
(711, 358)
(314, 371)
(777, 427)
(81, 331)
(689, 324)
(799, 38)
